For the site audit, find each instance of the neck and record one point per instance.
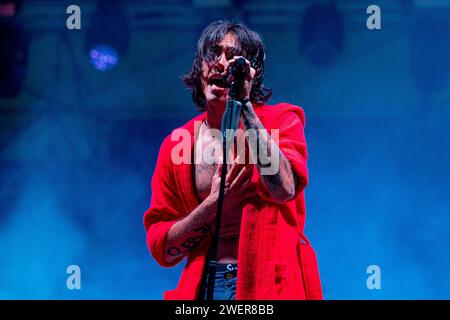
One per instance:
(213, 122)
(214, 118)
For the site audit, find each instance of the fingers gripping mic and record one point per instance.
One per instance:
(236, 72)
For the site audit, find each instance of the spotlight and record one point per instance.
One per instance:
(108, 35)
(322, 34)
(103, 57)
(13, 57)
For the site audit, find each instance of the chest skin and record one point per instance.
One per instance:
(203, 173)
(203, 177)
(204, 166)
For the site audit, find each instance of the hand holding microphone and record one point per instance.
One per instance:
(235, 71)
(240, 71)
(238, 76)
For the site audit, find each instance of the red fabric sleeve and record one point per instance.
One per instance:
(164, 208)
(292, 143)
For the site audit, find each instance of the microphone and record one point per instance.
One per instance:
(236, 72)
(231, 115)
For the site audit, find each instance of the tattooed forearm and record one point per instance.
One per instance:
(191, 242)
(281, 184)
(186, 234)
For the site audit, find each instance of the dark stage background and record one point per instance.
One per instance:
(78, 145)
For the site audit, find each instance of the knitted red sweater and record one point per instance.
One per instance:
(275, 259)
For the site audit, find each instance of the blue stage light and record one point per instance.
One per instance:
(103, 57)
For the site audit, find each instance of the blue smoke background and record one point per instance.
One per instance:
(78, 146)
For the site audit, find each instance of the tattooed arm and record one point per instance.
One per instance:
(281, 184)
(187, 233)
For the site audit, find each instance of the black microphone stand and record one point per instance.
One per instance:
(230, 121)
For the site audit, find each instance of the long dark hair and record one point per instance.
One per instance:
(250, 46)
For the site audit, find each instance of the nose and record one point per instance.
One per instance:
(220, 64)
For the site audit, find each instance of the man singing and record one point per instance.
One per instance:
(262, 251)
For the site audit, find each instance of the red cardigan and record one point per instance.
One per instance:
(275, 259)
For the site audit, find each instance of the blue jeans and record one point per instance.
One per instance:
(225, 282)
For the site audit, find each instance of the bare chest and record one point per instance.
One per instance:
(203, 176)
(207, 154)
(204, 169)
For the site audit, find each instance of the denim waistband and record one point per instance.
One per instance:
(225, 281)
(226, 267)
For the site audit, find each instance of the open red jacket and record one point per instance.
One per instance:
(275, 259)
